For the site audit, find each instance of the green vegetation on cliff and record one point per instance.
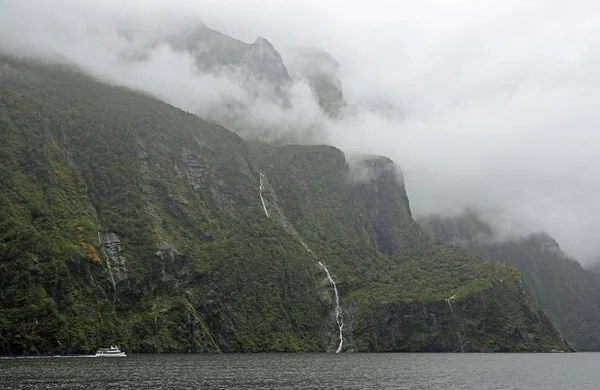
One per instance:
(125, 220)
(565, 290)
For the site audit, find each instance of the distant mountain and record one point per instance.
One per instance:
(569, 293)
(320, 70)
(259, 62)
(260, 65)
(126, 220)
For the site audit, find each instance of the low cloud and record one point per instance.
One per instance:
(483, 103)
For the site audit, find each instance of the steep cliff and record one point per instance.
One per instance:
(126, 220)
(569, 293)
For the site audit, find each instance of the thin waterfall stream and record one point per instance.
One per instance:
(338, 311)
(260, 191)
(290, 229)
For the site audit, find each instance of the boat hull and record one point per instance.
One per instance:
(120, 354)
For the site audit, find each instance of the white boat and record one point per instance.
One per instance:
(110, 352)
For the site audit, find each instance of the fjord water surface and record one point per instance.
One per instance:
(306, 371)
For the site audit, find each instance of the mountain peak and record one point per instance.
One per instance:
(262, 41)
(265, 63)
(544, 243)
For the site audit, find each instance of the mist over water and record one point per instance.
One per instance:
(486, 104)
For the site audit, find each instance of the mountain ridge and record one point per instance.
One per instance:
(127, 220)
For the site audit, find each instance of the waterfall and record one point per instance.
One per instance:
(260, 191)
(279, 217)
(338, 311)
(449, 305)
(460, 342)
(462, 349)
(305, 247)
(109, 268)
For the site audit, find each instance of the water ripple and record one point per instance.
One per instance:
(306, 371)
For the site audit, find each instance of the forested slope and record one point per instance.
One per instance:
(126, 220)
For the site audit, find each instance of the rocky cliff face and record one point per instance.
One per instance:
(562, 287)
(126, 220)
(265, 63)
(112, 250)
(321, 71)
(388, 208)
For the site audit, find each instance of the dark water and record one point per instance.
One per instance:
(306, 371)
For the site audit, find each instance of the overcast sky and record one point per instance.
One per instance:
(500, 97)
